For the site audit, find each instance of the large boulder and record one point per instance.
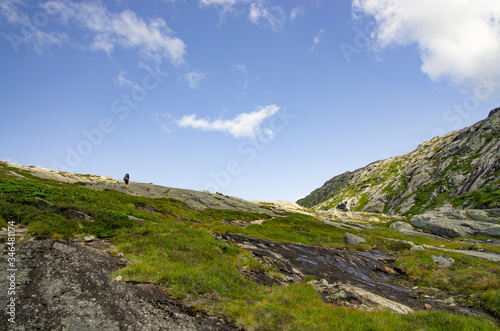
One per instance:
(352, 239)
(443, 261)
(401, 226)
(453, 224)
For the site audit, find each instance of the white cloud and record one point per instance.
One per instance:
(11, 14)
(244, 125)
(161, 120)
(240, 67)
(317, 39)
(228, 3)
(240, 73)
(273, 17)
(30, 32)
(224, 6)
(296, 12)
(194, 78)
(259, 13)
(121, 81)
(153, 38)
(458, 40)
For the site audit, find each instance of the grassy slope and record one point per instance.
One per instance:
(185, 259)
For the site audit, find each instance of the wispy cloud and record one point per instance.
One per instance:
(162, 120)
(240, 67)
(296, 12)
(194, 78)
(152, 38)
(458, 40)
(258, 12)
(31, 33)
(221, 3)
(240, 70)
(244, 125)
(121, 81)
(272, 17)
(317, 39)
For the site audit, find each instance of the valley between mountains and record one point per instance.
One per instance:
(411, 242)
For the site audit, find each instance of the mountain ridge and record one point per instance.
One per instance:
(460, 168)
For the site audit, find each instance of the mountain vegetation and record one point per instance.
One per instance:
(178, 248)
(404, 243)
(460, 169)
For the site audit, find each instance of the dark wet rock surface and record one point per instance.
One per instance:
(66, 285)
(352, 272)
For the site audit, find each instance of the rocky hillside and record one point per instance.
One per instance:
(461, 169)
(194, 199)
(84, 253)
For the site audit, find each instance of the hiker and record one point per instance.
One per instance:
(126, 179)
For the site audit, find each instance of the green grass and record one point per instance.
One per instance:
(184, 258)
(472, 278)
(298, 307)
(291, 228)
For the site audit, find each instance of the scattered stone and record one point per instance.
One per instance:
(351, 239)
(119, 278)
(257, 222)
(357, 297)
(443, 261)
(339, 295)
(133, 218)
(417, 248)
(427, 306)
(401, 226)
(89, 238)
(449, 301)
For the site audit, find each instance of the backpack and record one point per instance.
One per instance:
(126, 177)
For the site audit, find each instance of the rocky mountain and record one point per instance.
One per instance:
(460, 169)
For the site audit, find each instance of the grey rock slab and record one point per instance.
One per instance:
(453, 228)
(66, 285)
(443, 261)
(401, 226)
(352, 239)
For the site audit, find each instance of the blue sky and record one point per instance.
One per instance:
(257, 99)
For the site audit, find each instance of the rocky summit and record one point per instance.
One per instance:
(459, 170)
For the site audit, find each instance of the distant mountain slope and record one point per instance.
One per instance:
(461, 168)
(193, 199)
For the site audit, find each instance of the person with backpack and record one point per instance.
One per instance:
(126, 179)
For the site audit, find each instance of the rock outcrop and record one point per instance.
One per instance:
(352, 239)
(457, 223)
(461, 168)
(66, 285)
(193, 199)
